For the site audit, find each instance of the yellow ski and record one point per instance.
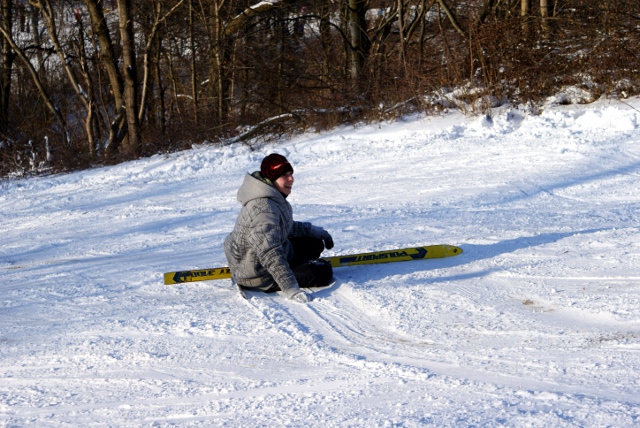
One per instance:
(374, 257)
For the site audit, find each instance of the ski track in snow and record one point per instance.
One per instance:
(536, 324)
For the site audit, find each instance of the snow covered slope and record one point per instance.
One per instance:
(536, 324)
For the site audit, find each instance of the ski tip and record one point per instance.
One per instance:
(452, 250)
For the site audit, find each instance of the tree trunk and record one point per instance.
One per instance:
(194, 74)
(524, 15)
(34, 22)
(92, 123)
(132, 143)
(358, 49)
(160, 109)
(152, 53)
(109, 62)
(84, 94)
(7, 64)
(401, 31)
(544, 8)
(544, 17)
(216, 61)
(452, 17)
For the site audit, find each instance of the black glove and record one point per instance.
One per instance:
(327, 239)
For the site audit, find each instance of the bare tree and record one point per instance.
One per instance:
(452, 17)
(35, 75)
(108, 60)
(544, 18)
(151, 53)
(82, 92)
(130, 74)
(154, 75)
(193, 62)
(358, 41)
(6, 14)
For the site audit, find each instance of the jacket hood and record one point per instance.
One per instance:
(255, 187)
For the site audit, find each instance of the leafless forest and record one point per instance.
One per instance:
(90, 82)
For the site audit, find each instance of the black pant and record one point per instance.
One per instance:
(308, 270)
(304, 250)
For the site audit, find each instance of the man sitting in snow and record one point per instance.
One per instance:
(267, 249)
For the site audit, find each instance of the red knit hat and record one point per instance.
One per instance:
(275, 166)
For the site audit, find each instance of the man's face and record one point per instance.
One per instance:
(284, 183)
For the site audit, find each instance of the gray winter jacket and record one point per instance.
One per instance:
(258, 249)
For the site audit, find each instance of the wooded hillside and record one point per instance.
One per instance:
(86, 82)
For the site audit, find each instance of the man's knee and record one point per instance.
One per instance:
(316, 273)
(322, 271)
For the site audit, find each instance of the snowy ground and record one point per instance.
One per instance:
(536, 324)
